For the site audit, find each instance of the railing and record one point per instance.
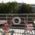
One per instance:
(17, 32)
(25, 18)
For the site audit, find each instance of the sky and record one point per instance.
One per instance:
(19, 1)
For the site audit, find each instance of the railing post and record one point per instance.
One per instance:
(12, 32)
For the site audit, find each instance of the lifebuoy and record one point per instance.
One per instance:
(19, 20)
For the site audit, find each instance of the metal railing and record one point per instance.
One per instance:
(25, 18)
(16, 33)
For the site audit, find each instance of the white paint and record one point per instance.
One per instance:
(3, 21)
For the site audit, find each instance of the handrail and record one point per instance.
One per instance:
(19, 14)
